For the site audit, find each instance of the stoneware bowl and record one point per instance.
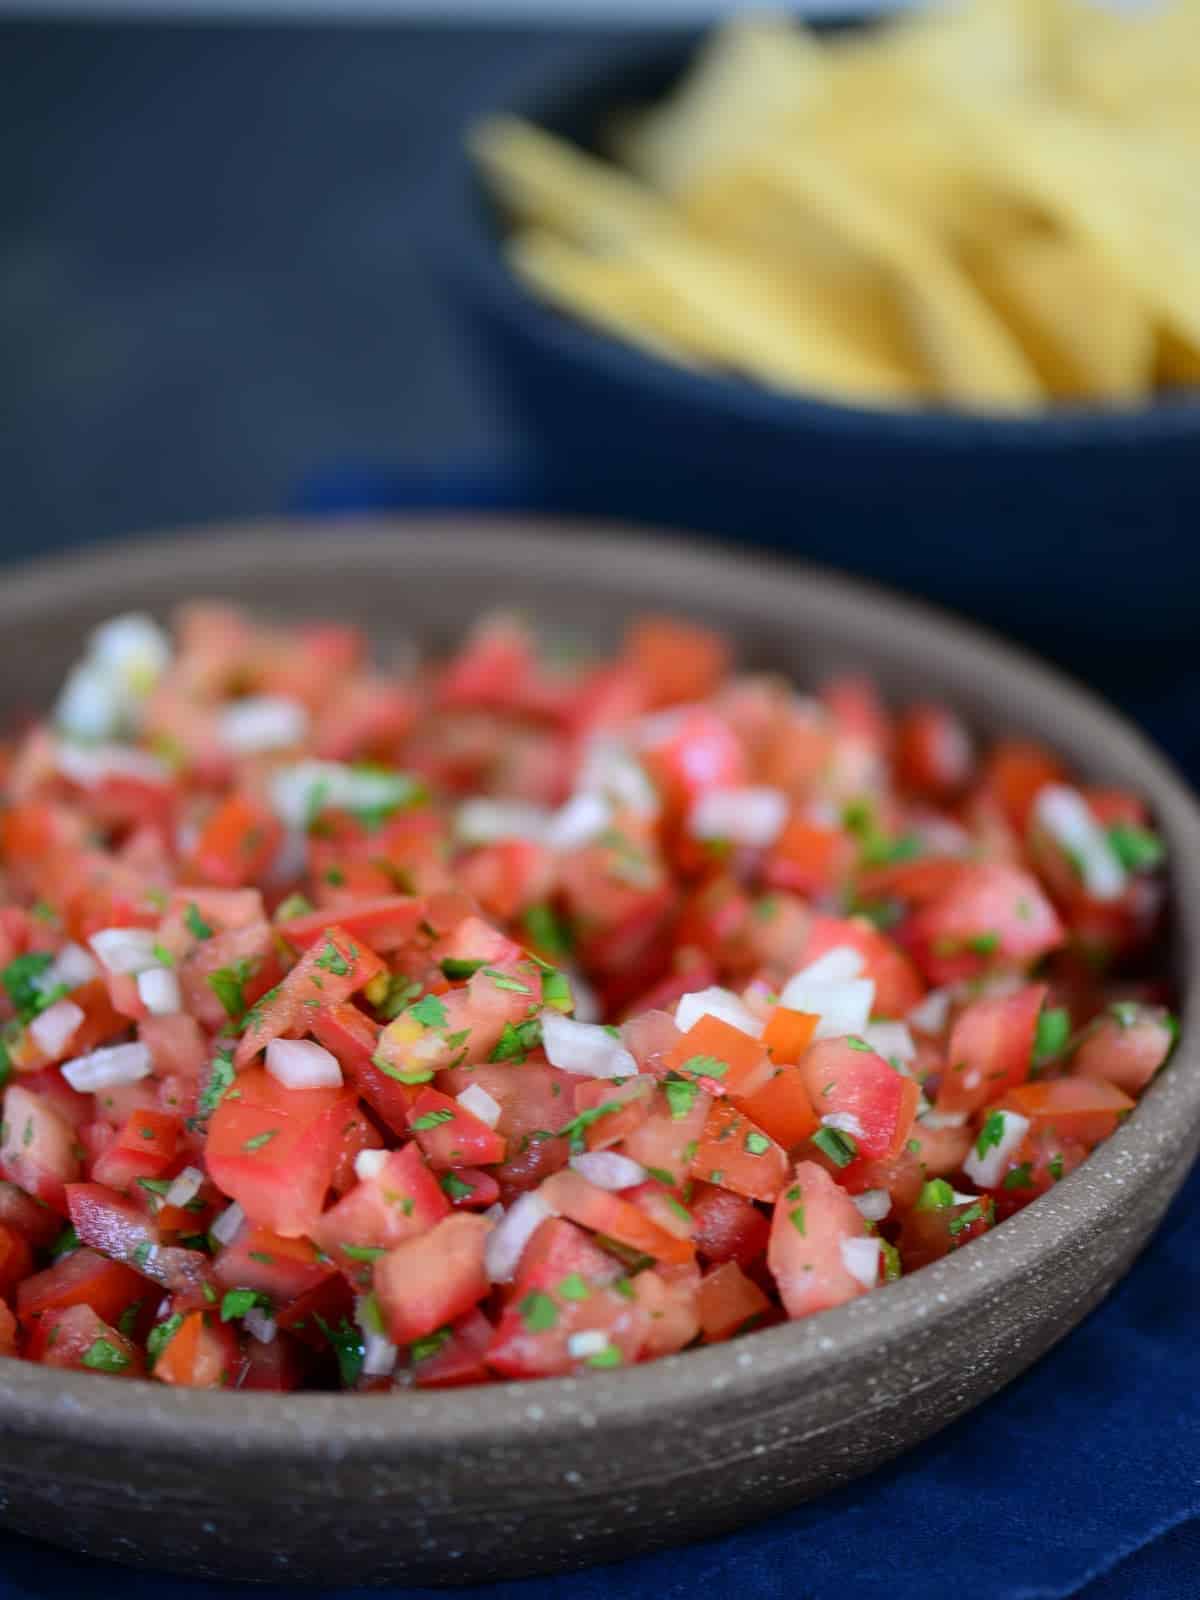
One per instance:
(525, 1478)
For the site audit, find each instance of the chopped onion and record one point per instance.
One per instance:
(587, 1342)
(306, 787)
(259, 1325)
(483, 821)
(843, 1007)
(611, 769)
(609, 1170)
(302, 1064)
(92, 703)
(90, 765)
(504, 1245)
(1066, 817)
(55, 1027)
(889, 1039)
(584, 817)
(186, 1187)
(985, 1169)
(134, 647)
(717, 1002)
(494, 1212)
(369, 1163)
(584, 1048)
(379, 1355)
(229, 1224)
(944, 1119)
(753, 817)
(262, 722)
(873, 1204)
(844, 1122)
(126, 951)
(932, 1013)
(860, 1257)
(102, 1069)
(838, 965)
(159, 992)
(71, 967)
(479, 1103)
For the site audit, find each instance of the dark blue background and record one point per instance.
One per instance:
(215, 299)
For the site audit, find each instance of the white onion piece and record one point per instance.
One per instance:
(103, 1069)
(262, 722)
(92, 703)
(480, 1103)
(944, 1119)
(842, 1007)
(889, 1039)
(504, 1245)
(933, 1012)
(873, 1204)
(838, 965)
(1065, 816)
(90, 765)
(860, 1257)
(584, 1048)
(985, 1169)
(494, 1212)
(609, 1170)
(484, 821)
(844, 1122)
(159, 992)
(717, 1002)
(134, 647)
(369, 1164)
(259, 1325)
(379, 1355)
(186, 1187)
(609, 768)
(71, 967)
(587, 1005)
(305, 787)
(584, 817)
(228, 1225)
(302, 1064)
(753, 817)
(659, 727)
(125, 951)
(53, 1030)
(587, 1342)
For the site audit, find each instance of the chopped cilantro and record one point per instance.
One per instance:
(296, 905)
(429, 1011)
(422, 1349)
(838, 1146)
(452, 1185)
(18, 980)
(856, 1043)
(935, 1194)
(984, 944)
(161, 1335)
(127, 1321)
(1053, 1031)
(960, 1223)
(347, 1347)
(228, 983)
(66, 1241)
(556, 991)
(574, 1130)
(402, 1074)
(332, 960)
(503, 981)
(573, 1287)
(1136, 848)
(263, 1257)
(705, 1067)
(990, 1134)
(1125, 1011)
(516, 1041)
(1055, 1165)
(220, 1080)
(363, 1252)
(259, 1140)
(1019, 1177)
(892, 1268)
(431, 1119)
(237, 1302)
(142, 1254)
(546, 930)
(610, 1357)
(103, 1356)
(681, 1096)
(459, 967)
(538, 1312)
(757, 1143)
(662, 1175)
(796, 1218)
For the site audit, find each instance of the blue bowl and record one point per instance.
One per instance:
(1075, 530)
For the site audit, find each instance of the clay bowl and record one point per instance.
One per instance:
(525, 1478)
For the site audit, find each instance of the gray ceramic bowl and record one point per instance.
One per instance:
(524, 1478)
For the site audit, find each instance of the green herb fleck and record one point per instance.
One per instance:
(103, 1356)
(260, 1139)
(429, 1011)
(431, 1119)
(990, 1134)
(838, 1146)
(935, 1194)
(161, 1335)
(538, 1312)
(681, 1096)
(1136, 848)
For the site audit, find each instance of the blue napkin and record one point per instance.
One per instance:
(1080, 1479)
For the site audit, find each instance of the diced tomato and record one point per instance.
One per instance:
(668, 1298)
(1126, 1046)
(1087, 1109)
(898, 985)
(788, 1034)
(927, 1235)
(990, 1049)
(813, 1218)
(782, 1107)
(117, 1227)
(940, 1151)
(237, 844)
(726, 1226)
(674, 660)
(452, 1136)
(282, 1269)
(201, 1354)
(728, 1301)
(667, 1138)
(8, 1331)
(624, 1107)
(16, 1260)
(932, 752)
(33, 1221)
(862, 1094)
(1042, 1159)
(534, 1099)
(37, 1147)
(572, 1196)
(353, 1039)
(690, 752)
(434, 1278)
(734, 1153)
(84, 1277)
(809, 858)
(176, 1045)
(458, 1357)
(722, 1057)
(274, 1368)
(990, 917)
(1013, 772)
(274, 1150)
(384, 925)
(399, 1202)
(77, 1337)
(330, 970)
(243, 962)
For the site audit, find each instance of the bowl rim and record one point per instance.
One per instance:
(416, 1424)
(468, 250)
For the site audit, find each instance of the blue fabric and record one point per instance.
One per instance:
(1080, 1479)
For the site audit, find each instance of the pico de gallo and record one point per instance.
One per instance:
(523, 1012)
